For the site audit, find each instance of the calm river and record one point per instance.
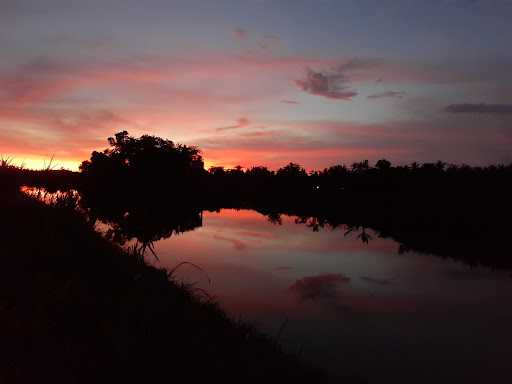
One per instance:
(350, 307)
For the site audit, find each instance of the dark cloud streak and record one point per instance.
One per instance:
(387, 95)
(240, 33)
(329, 84)
(482, 108)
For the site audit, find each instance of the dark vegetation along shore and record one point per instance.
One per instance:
(76, 307)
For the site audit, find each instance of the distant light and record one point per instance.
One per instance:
(317, 187)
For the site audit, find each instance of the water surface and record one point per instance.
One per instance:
(348, 305)
(346, 300)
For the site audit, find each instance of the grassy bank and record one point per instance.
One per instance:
(75, 308)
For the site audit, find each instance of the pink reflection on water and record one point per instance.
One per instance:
(350, 305)
(253, 263)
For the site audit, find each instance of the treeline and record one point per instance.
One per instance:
(360, 177)
(149, 166)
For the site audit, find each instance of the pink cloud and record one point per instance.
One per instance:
(318, 144)
(185, 98)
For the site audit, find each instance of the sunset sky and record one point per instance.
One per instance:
(259, 82)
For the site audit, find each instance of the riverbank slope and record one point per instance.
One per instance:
(76, 308)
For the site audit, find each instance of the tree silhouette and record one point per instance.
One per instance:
(360, 166)
(148, 164)
(383, 165)
(291, 170)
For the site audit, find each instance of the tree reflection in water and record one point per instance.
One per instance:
(144, 223)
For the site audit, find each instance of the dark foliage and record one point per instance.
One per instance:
(143, 166)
